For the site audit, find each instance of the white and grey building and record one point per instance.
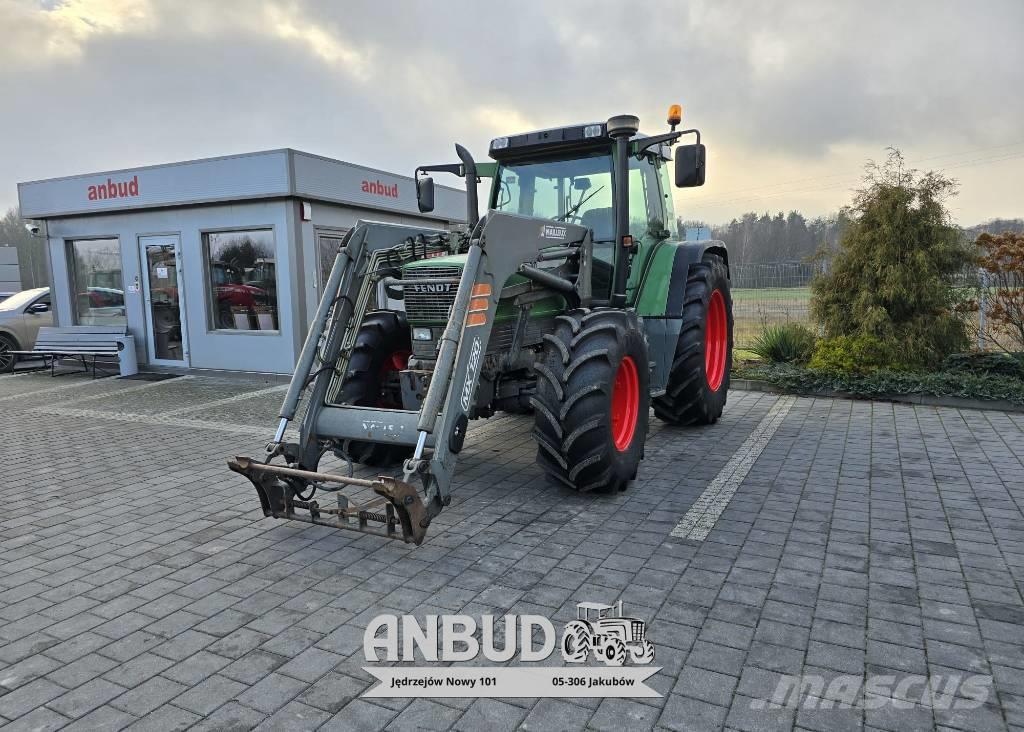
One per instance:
(213, 263)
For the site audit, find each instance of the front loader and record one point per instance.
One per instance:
(571, 299)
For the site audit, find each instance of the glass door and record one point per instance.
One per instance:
(162, 278)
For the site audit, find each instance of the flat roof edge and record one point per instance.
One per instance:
(432, 215)
(286, 151)
(156, 166)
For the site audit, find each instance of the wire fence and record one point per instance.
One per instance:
(777, 293)
(770, 294)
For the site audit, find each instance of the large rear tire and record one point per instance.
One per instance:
(382, 348)
(577, 641)
(699, 380)
(592, 403)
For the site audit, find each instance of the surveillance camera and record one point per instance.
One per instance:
(32, 229)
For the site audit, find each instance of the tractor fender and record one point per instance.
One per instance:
(662, 297)
(687, 254)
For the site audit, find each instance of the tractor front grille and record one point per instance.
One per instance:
(638, 630)
(425, 306)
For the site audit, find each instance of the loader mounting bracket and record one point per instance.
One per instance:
(280, 489)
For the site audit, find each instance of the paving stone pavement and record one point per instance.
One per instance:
(141, 588)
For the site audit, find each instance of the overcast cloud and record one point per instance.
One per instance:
(791, 97)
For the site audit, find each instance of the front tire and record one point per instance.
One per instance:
(614, 652)
(7, 357)
(382, 348)
(642, 653)
(592, 401)
(699, 380)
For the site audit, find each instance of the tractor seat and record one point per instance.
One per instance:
(601, 221)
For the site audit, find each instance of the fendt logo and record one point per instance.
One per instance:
(114, 189)
(380, 189)
(438, 289)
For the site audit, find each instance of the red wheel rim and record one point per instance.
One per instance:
(397, 361)
(625, 404)
(716, 341)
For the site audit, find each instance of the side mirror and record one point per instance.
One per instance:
(39, 307)
(425, 194)
(690, 166)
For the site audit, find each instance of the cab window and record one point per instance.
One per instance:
(578, 190)
(646, 209)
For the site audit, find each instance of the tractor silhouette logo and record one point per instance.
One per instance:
(612, 638)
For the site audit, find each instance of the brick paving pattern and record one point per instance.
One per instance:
(141, 588)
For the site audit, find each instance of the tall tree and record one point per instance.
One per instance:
(892, 275)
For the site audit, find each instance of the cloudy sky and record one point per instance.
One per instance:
(792, 97)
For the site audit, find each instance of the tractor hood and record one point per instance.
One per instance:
(449, 260)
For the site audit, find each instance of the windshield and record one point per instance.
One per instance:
(578, 191)
(21, 299)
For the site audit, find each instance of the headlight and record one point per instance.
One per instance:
(422, 334)
(499, 143)
(592, 131)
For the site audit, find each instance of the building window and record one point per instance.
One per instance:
(327, 245)
(242, 280)
(95, 268)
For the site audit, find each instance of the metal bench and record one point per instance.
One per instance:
(102, 344)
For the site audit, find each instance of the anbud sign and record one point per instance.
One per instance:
(114, 189)
(453, 638)
(380, 189)
(600, 632)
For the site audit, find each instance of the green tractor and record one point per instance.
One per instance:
(571, 299)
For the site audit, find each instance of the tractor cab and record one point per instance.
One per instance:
(580, 190)
(604, 176)
(595, 611)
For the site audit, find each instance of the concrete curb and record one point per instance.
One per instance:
(998, 405)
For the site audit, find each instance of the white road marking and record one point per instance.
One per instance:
(225, 400)
(157, 420)
(74, 384)
(130, 389)
(706, 510)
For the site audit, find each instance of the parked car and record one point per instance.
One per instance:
(21, 317)
(5, 295)
(100, 306)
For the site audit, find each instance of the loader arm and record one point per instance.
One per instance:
(505, 245)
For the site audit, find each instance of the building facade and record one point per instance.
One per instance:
(214, 263)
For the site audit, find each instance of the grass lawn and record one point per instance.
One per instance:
(772, 294)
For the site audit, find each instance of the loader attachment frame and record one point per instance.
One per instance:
(499, 246)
